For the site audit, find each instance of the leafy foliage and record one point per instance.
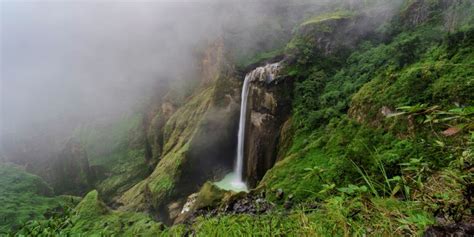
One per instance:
(391, 121)
(24, 197)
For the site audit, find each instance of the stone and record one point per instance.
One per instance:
(174, 209)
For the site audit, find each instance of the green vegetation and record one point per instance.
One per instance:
(178, 132)
(246, 62)
(24, 197)
(380, 142)
(327, 16)
(338, 216)
(117, 149)
(392, 122)
(104, 140)
(91, 217)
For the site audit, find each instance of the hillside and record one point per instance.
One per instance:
(363, 127)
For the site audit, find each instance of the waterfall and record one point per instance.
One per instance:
(241, 134)
(264, 74)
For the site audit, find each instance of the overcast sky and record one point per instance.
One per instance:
(64, 59)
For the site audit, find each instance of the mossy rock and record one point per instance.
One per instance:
(178, 132)
(91, 206)
(209, 195)
(323, 18)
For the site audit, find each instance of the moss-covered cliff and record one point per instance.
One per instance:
(197, 140)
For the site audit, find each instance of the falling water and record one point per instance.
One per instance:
(238, 182)
(263, 74)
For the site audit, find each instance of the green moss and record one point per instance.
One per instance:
(343, 143)
(178, 133)
(130, 167)
(91, 206)
(209, 195)
(328, 17)
(117, 148)
(93, 218)
(102, 140)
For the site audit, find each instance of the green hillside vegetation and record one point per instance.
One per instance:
(380, 143)
(117, 149)
(25, 197)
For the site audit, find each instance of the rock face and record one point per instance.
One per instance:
(334, 33)
(63, 164)
(269, 106)
(193, 142)
(70, 172)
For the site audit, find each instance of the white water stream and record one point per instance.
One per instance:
(234, 181)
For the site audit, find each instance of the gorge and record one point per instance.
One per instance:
(316, 118)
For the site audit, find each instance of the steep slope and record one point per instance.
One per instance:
(198, 142)
(116, 150)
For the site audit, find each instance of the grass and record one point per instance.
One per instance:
(338, 216)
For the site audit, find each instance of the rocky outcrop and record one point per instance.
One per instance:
(195, 142)
(70, 172)
(63, 164)
(154, 130)
(269, 106)
(333, 33)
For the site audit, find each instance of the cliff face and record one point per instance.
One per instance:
(62, 163)
(269, 106)
(193, 143)
(70, 173)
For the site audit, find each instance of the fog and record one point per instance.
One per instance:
(75, 60)
(68, 62)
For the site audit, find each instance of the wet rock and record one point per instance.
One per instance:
(268, 107)
(246, 204)
(454, 229)
(186, 211)
(189, 203)
(251, 204)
